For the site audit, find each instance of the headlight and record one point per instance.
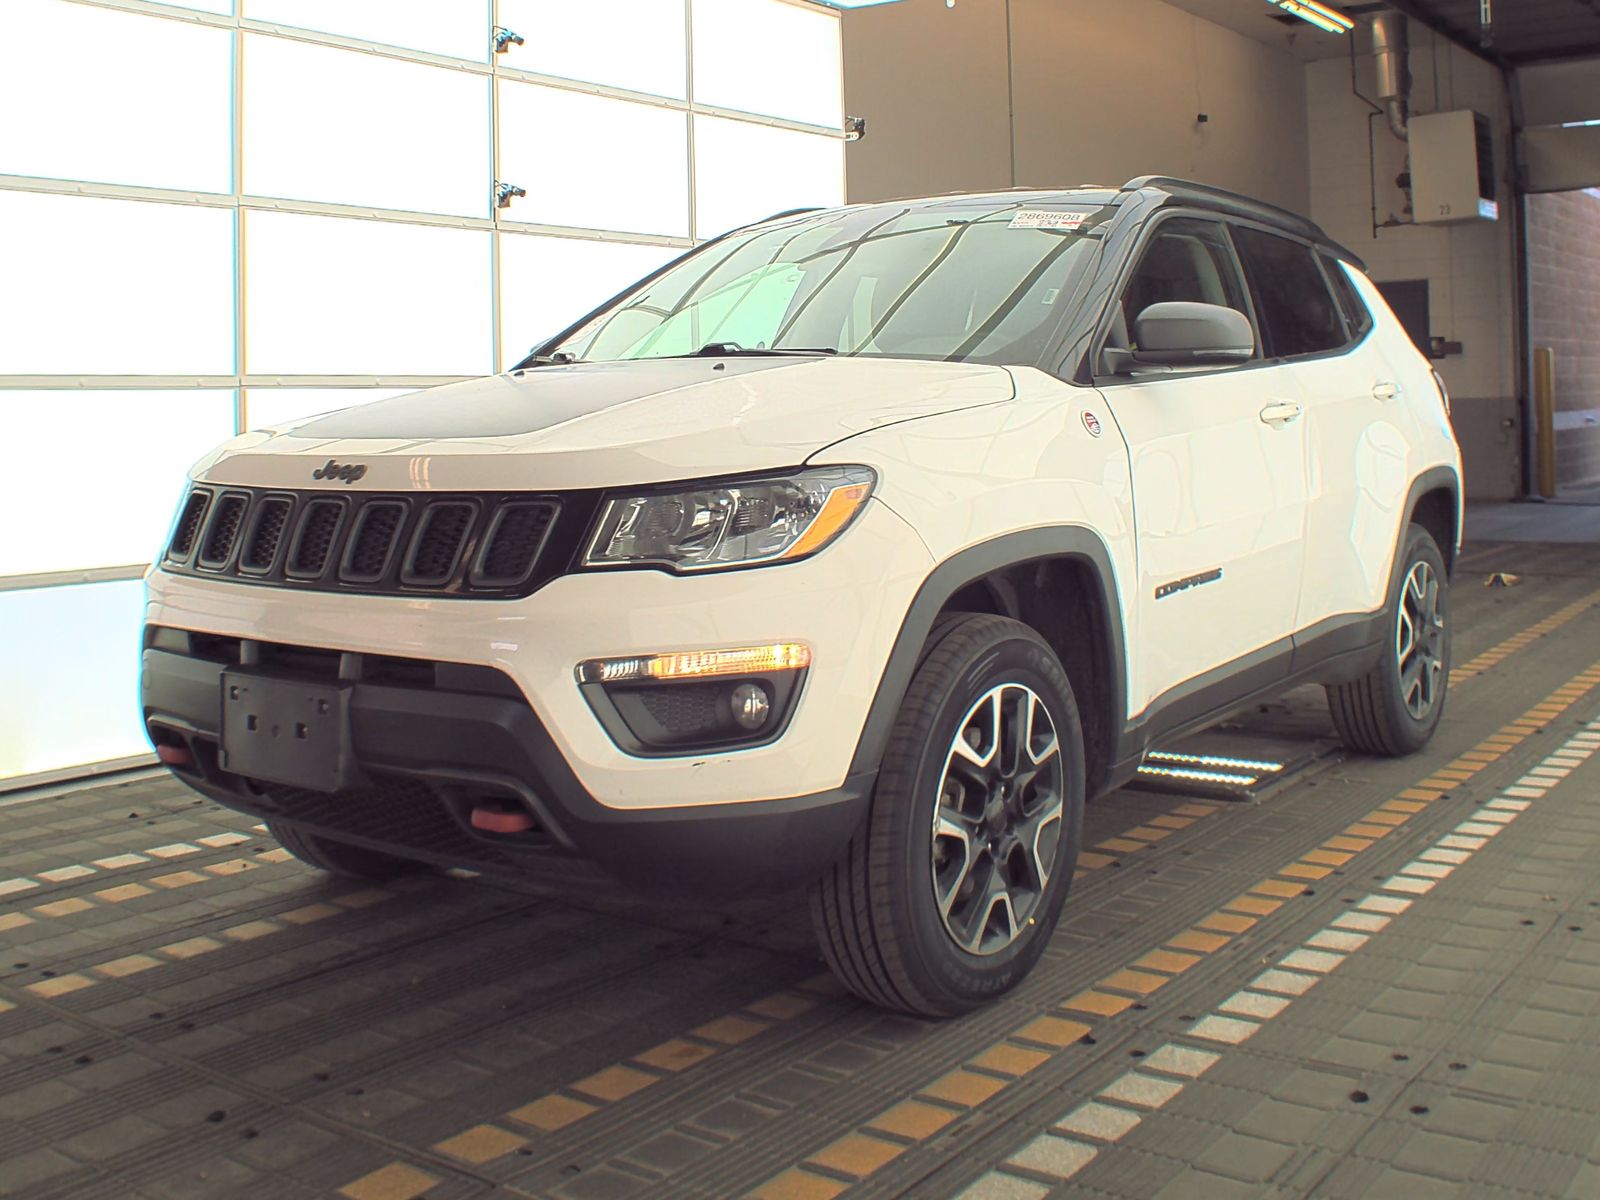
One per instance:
(733, 524)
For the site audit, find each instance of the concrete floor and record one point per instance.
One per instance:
(1368, 979)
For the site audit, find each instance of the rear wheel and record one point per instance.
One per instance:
(1394, 708)
(949, 894)
(336, 857)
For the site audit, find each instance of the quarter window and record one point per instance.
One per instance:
(1356, 314)
(1298, 314)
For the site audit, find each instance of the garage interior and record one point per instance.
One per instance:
(1284, 970)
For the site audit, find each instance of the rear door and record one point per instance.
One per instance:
(1218, 466)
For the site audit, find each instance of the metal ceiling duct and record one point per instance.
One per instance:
(1391, 49)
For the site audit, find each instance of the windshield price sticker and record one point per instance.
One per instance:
(1039, 218)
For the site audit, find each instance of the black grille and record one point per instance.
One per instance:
(222, 531)
(266, 534)
(188, 532)
(441, 537)
(688, 710)
(372, 541)
(492, 545)
(319, 523)
(512, 547)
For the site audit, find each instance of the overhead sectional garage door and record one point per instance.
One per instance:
(224, 214)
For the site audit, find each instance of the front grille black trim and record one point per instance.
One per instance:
(192, 518)
(431, 543)
(221, 537)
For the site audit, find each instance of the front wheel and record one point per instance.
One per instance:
(949, 894)
(1394, 709)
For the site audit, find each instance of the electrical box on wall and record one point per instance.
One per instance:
(1452, 168)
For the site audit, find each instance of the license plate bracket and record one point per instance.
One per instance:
(288, 731)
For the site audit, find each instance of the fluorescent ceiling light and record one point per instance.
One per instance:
(1319, 15)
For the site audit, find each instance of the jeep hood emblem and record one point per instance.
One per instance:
(348, 472)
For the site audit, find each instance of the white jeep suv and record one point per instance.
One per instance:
(855, 548)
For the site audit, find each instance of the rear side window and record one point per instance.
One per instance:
(1356, 313)
(1298, 313)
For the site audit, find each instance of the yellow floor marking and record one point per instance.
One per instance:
(781, 1006)
(275, 856)
(1227, 922)
(913, 1120)
(61, 985)
(1172, 822)
(251, 930)
(309, 914)
(117, 968)
(234, 866)
(1362, 829)
(1278, 887)
(63, 908)
(675, 1055)
(730, 1030)
(179, 879)
(1006, 1059)
(481, 1144)
(1134, 981)
(796, 1184)
(1195, 810)
(1380, 816)
(14, 920)
(1404, 806)
(394, 1182)
(128, 891)
(1451, 776)
(614, 1083)
(190, 948)
(1169, 961)
(1052, 1031)
(1420, 795)
(1204, 943)
(1302, 870)
(965, 1088)
(1258, 906)
(857, 1154)
(1098, 1003)
(1148, 833)
(1120, 845)
(365, 899)
(551, 1113)
(1088, 860)
(1327, 858)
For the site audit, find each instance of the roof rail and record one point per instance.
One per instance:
(1271, 214)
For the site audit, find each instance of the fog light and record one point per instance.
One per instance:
(751, 705)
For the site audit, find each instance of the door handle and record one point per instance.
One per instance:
(1281, 414)
(1385, 391)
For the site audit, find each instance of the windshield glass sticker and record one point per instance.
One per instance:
(1039, 218)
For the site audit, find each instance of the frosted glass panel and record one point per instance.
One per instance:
(70, 650)
(459, 28)
(338, 296)
(279, 408)
(593, 162)
(353, 128)
(548, 283)
(634, 44)
(768, 57)
(745, 173)
(114, 287)
(140, 100)
(135, 446)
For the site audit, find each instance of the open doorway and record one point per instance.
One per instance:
(1563, 240)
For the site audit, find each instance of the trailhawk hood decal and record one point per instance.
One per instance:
(605, 424)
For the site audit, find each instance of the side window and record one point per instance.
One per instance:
(1297, 312)
(1187, 259)
(1356, 314)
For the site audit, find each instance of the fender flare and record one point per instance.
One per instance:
(966, 567)
(1432, 480)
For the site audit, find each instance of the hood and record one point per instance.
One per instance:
(607, 424)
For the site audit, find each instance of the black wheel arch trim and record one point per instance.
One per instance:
(1443, 478)
(970, 566)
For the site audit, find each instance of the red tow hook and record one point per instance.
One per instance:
(499, 818)
(175, 756)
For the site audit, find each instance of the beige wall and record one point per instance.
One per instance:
(1102, 93)
(1563, 265)
(1469, 268)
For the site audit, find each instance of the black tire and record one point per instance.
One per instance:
(1384, 712)
(339, 858)
(875, 911)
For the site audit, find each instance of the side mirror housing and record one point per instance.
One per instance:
(1182, 333)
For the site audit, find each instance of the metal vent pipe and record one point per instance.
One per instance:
(1391, 50)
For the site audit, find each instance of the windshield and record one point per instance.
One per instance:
(961, 283)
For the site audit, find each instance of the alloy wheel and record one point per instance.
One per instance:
(1420, 641)
(997, 824)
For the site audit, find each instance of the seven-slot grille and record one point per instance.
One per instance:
(469, 545)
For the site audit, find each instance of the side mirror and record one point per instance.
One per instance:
(1181, 333)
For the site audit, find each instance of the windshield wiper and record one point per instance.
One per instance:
(733, 349)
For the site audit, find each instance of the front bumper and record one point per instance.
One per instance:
(435, 740)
